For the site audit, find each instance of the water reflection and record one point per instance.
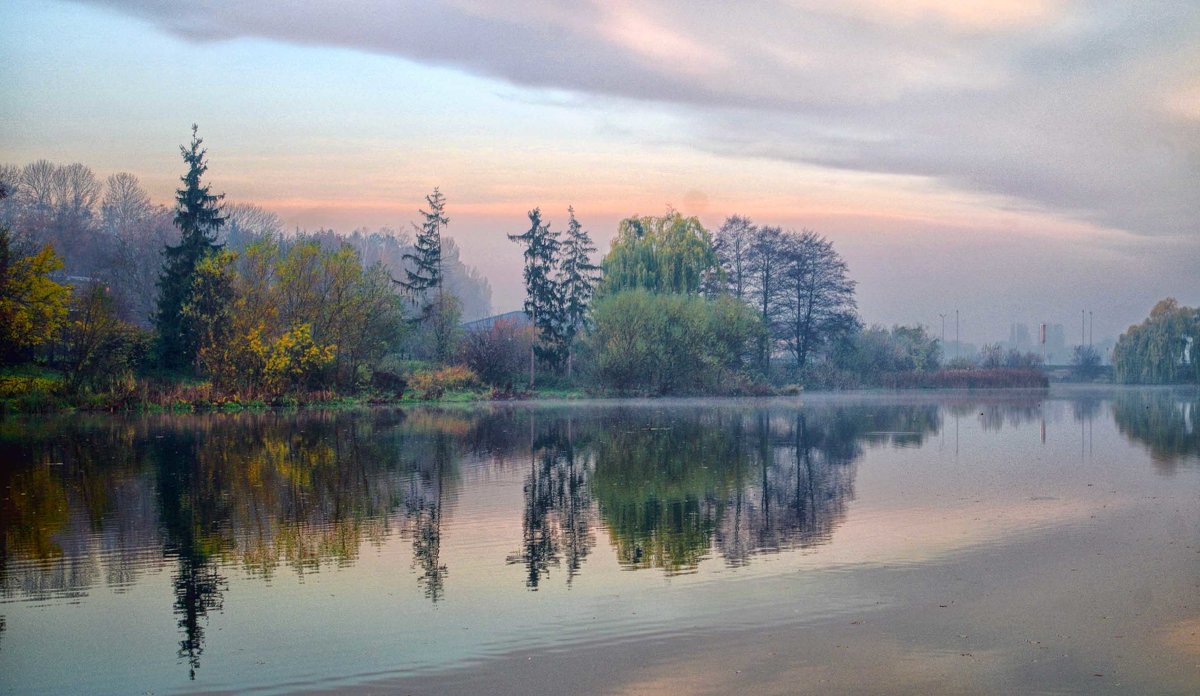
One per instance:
(1165, 422)
(100, 501)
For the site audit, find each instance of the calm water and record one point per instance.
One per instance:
(990, 544)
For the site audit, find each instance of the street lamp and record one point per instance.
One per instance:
(943, 316)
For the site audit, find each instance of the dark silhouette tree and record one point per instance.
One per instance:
(543, 303)
(577, 282)
(820, 296)
(732, 244)
(424, 283)
(198, 217)
(764, 264)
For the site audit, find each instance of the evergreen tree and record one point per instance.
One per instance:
(424, 281)
(198, 217)
(577, 282)
(543, 300)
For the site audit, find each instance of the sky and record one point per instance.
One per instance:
(1016, 161)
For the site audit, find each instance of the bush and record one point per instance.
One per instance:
(100, 350)
(388, 381)
(499, 353)
(668, 343)
(432, 384)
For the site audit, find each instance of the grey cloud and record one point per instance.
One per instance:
(1063, 111)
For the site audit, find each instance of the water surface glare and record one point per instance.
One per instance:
(1014, 542)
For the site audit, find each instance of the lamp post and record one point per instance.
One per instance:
(943, 316)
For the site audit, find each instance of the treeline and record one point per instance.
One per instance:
(111, 301)
(676, 309)
(108, 231)
(108, 300)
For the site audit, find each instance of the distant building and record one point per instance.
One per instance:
(1056, 345)
(1020, 339)
(517, 317)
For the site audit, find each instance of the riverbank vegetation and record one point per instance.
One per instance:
(110, 302)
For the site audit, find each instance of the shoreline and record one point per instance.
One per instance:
(8, 407)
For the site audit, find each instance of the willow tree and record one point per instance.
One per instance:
(669, 254)
(198, 217)
(1162, 349)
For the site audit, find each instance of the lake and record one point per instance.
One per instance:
(1015, 542)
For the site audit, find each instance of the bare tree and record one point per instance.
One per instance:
(819, 301)
(37, 184)
(246, 222)
(76, 191)
(765, 261)
(125, 205)
(732, 244)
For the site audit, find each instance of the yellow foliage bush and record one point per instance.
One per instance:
(431, 384)
(12, 386)
(295, 359)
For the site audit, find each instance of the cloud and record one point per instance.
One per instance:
(1082, 109)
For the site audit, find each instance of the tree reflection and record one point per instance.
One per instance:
(1165, 422)
(740, 481)
(212, 497)
(424, 504)
(193, 501)
(556, 523)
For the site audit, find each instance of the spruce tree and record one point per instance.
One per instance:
(198, 217)
(423, 283)
(577, 282)
(543, 302)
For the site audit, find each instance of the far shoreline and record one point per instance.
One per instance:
(555, 398)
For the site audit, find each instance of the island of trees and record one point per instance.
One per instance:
(107, 301)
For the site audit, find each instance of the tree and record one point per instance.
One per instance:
(198, 217)
(497, 353)
(669, 254)
(210, 310)
(765, 260)
(820, 297)
(577, 282)
(1164, 348)
(875, 352)
(543, 300)
(1085, 363)
(732, 245)
(245, 223)
(424, 282)
(125, 205)
(134, 234)
(663, 343)
(32, 306)
(100, 349)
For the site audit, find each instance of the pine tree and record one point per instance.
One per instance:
(577, 282)
(543, 301)
(424, 281)
(198, 217)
